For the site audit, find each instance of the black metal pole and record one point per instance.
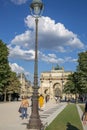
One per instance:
(35, 122)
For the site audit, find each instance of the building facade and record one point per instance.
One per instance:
(52, 83)
(26, 87)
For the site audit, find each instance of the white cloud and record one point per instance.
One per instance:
(16, 68)
(52, 36)
(50, 58)
(24, 40)
(17, 52)
(19, 2)
(52, 55)
(70, 59)
(53, 58)
(29, 55)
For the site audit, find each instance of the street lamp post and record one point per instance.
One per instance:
(36, 8)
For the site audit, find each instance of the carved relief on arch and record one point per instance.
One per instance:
(46, 94)
(46, 91)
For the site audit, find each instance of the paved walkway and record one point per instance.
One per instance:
(10, 118)
(51, 111)
(80, 114)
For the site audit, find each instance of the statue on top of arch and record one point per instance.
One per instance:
(58, 67)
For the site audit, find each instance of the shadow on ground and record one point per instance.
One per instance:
(71, 127)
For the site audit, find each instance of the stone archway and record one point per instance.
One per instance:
(56, 90)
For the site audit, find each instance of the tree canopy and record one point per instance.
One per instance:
(77, 82)
(4, 66)
(8, 80)
(82, 71)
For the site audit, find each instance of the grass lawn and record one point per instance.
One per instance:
(82, 106)
(68, 119)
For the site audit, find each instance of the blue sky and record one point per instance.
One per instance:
(62, 34)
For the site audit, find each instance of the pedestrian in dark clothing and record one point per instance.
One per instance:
(86, 106)
(84, 117)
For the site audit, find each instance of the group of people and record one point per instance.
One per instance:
(25, 104)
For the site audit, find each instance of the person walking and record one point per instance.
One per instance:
(85, 114)
(41, 101)
(24, 105)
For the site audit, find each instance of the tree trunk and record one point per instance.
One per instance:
(5, 95)
(76, 98)
(9, 97)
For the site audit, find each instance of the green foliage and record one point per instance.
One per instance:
(4, 66)
(77, 82)
(9, 82)
(68, 87)
(72, 84)
(82, 62)
(14, 84)
(82, 71)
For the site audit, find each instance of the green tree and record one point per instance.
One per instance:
(77, 82)
(14, 85)
(4, 68)
(71, 87)
(82, 71)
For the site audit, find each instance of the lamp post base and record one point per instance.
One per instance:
(41, 128)
(36, 129)
(33, 129)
